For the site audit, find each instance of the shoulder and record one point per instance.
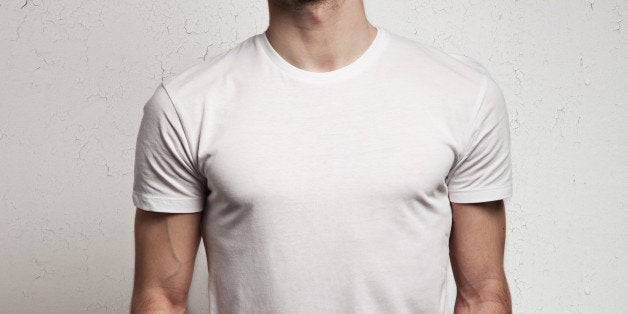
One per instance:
(198, 79)
(456, 68)
(195, 95)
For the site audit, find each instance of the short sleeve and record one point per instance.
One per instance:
(165, 179)
(484, 173)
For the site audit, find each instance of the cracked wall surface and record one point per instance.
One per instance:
(75, 75)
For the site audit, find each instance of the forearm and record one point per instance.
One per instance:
(486, 297)
(157, 301)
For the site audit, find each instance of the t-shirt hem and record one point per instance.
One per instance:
(481, 195)
(167, 205)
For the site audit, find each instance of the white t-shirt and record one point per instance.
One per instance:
(325, 192)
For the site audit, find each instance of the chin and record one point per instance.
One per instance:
(298, 3)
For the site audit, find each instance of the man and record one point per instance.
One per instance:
(330, 166)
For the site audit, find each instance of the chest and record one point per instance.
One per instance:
(298, 145)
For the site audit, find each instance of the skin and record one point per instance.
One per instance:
(165, 251)
(476, 250)
(318, 36)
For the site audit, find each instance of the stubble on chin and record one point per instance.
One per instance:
(298, 5)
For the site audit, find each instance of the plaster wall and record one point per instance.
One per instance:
(75, 75)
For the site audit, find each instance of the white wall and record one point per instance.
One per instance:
(74, 76)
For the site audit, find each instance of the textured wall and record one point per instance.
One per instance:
(75, 75)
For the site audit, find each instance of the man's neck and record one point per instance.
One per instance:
(319, 36)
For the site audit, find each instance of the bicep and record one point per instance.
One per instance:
(477, 242)
(166, 245)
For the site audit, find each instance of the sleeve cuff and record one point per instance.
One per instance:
(168, 205)
(481, 195)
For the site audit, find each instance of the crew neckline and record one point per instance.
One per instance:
(367, 57)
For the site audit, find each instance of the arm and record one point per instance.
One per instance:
(165, 251)
(477, 253)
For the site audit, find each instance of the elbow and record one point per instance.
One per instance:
(490, 296)
(483, 308)
(159, 302)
